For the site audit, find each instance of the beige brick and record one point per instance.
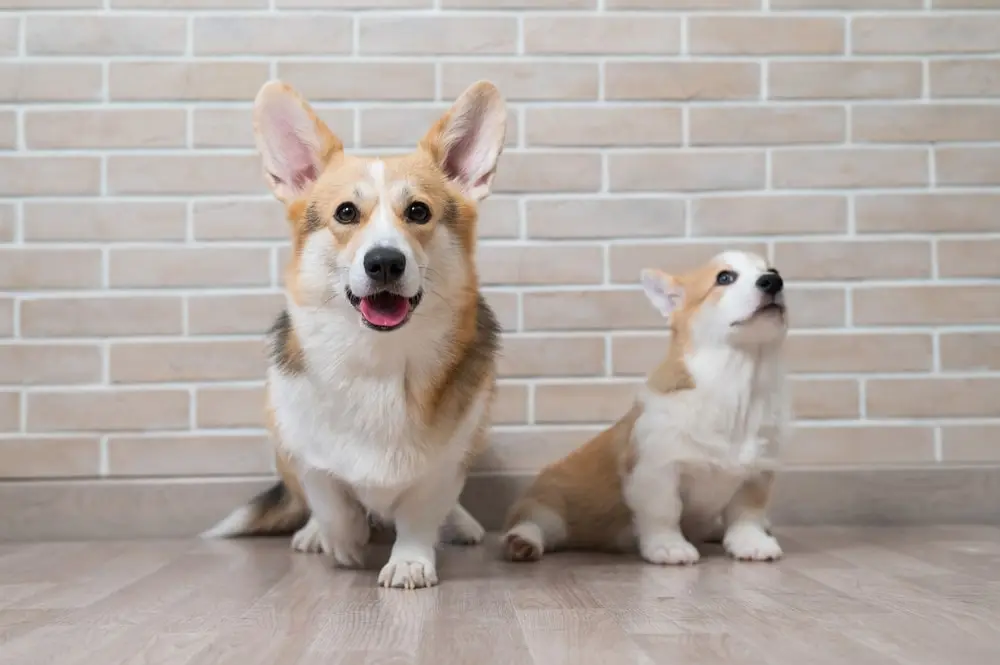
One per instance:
(525, 80)
(231, 407)
(69, 457)
(499, 217)
(968, 258)
(970, 351)
(10, 412)
(185, 174)
(816, 307)
(850, 167)
(514, 4)
(404, 127)
(861, 352)
(354, 4)
(583, 402)
(825, 259)
(927, 305)
(552, 356)
(926, 34)
(49, 82)
(108, 128)
(438, 35)
(281, 34)
(189, 455)
(754, 125)
(682, 4)
(190, 266)
(101, 317)
(224, 127)
(563, 264)
(965, 78)
(104, 221)
(859, 445)
(360, 81)
(529, 451)
(932, 398)
(973, 165)
(49, 176)
(844, 80)
(31, 268)
(8, 221)
(846, 4)
(105, 35)
(191, 4)
(927, 213)
(204, 80)
(925, 124)
(603, 126)
(31, 364)
(8, 130)
(510, 407)
(6, 317)
(825, 399)
(50, 4)
(504, 305)
(763, 35)
(682, 81)
(763, 215)
(602, 34)
(548, 172)
(150, 362)
(970, 443)
(589, 310)
(638, 355)
(964, 4)
(240, 220)
(233, 314)
(620, 217)
(627, 260)
(107, 410)
(685, 171)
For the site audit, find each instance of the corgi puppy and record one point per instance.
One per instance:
(383, 364)
(697, 451)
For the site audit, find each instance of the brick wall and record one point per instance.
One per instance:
(140, 254)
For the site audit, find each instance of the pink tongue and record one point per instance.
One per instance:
(385, 311)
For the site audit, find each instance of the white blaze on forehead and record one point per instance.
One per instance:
(382, 229)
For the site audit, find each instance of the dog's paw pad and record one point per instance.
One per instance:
(518, 548)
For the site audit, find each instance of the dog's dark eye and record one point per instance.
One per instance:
(725, 277)
(346, 213)
(418, 213)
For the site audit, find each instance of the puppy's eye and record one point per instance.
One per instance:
(418, 213)
(725, 278)
(346, 213)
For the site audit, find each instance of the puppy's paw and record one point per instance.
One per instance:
(345, 552)
(517, 547)
(307, 539)
(751, 543)
(669, 549)
(412, 572)
(461, 528)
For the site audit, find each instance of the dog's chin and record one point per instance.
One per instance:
(772, 311)
(384, 311)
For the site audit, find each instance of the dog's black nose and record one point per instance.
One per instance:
(770, 283)
(384, 265)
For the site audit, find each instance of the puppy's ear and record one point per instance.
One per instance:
(293, 143)
(662, 290)
(468, 139)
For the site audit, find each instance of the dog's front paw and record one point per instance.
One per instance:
(669, 549)
(461, 528)
(347, 553)
(751, 543)
(413, 572)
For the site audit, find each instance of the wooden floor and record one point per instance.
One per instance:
(921, 595)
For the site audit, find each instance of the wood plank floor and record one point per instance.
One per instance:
(858, 596)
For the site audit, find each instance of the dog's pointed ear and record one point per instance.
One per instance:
(468, 139)
(293, 143)
(662, 290)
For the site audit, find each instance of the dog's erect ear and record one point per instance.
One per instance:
(294, 144)
(662, 290)
(467, 141)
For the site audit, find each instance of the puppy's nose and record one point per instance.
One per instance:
(384, 265)
(770, 283)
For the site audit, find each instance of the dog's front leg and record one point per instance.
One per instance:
(337, 525)
(419, 515)
(746, 522)
(653, 493)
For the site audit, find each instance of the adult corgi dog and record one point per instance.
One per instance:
(383, 364)
(697, 450)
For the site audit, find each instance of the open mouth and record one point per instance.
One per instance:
(385, 310)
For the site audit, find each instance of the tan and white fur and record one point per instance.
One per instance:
(383, 363)
(695, 456)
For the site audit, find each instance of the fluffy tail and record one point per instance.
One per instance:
(275, 511)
